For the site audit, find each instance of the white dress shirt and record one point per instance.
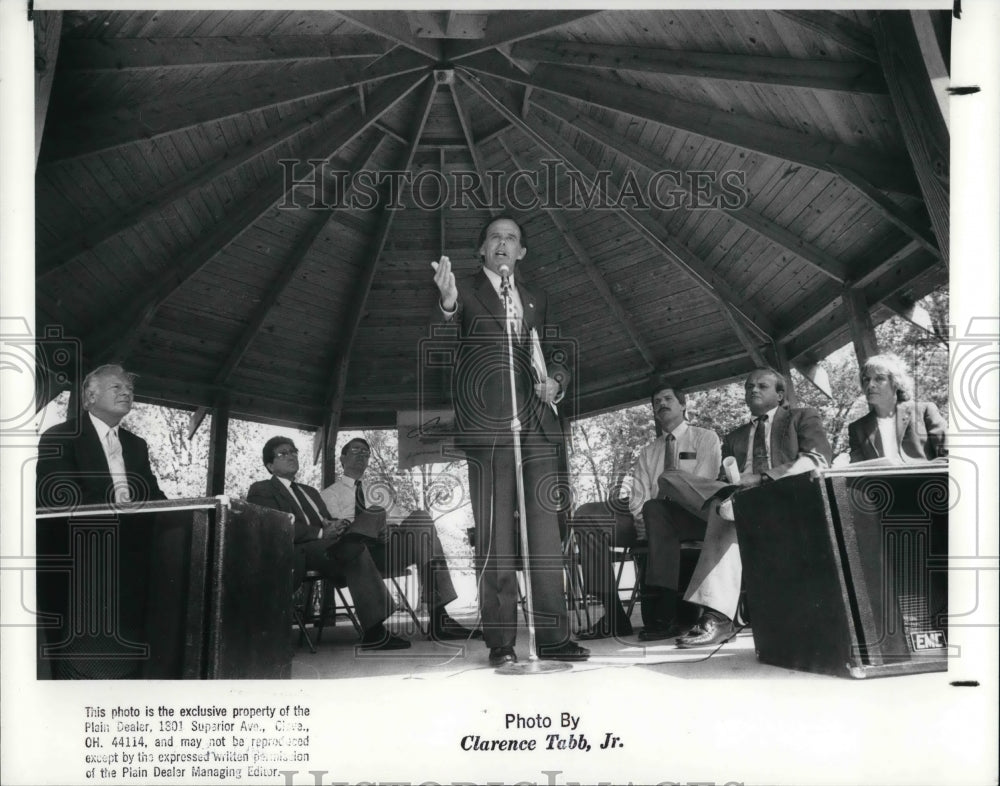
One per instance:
(701, 443)
(114, 457)
(339, 498)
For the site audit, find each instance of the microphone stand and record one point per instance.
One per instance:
(534, 665)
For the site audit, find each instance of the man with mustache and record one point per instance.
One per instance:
(778, 441)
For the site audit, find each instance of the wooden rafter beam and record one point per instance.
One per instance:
(919, 113)
(337, 387)
(395, 27)
(777, 71)
(116, 339)
(507, 27)
(118, 54)
(87, 133)
(51, 260)
(649, 229)
(819, 306)
(859, 320)
(729, 128)
(824, 315)
(289, 269)
(466, 124)
(624, 319)
(838, 29)
(580, 121)
(752, 348)
(47, 29)
(891, 211)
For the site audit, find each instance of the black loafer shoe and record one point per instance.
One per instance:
(709, 631)
(502, 655)
(570, 651)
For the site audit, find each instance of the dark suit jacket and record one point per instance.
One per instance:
(794, 433)
(73, 470)
(480, 385)
(919, 428)
(272, 494)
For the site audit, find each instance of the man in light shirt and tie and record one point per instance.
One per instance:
(681, 448)
(412, 541)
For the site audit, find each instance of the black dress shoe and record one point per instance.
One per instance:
(502, 655)
(569, 651)
(711, 629)
(379, 639)
(444, 628)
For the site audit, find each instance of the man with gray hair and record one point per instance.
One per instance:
(93, 460)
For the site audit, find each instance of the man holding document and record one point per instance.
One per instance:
(412, 541)
(488, 306)
(776, 442)
(322, 543)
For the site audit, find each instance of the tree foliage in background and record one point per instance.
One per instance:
(603, 447)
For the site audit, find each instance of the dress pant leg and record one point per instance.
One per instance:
(352, 561)
(717, 576)
(493, 493)
(547, 566)
(600, 530)
(667, 526)
(415, 541)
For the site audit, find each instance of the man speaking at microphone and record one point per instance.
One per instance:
(486, 306)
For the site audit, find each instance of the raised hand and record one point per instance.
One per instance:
(444, 279)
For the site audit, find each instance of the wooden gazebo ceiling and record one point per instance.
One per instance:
(169, 236)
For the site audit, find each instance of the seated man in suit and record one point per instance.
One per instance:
(896, 427)
(414, 541)
(321, 543)
(777, 441)
(94, 460)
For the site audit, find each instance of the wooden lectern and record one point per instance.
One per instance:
(846, 569)
(188, 588)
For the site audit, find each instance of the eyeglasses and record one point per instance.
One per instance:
(285, 453)
(359, 451)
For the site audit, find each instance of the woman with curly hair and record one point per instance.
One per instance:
(896, 427)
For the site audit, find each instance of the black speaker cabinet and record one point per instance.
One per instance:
(846, 570)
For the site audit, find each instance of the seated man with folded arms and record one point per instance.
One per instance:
(686, 450)
(321, 543)
(778, 441)
(691, 449)
(414, 541)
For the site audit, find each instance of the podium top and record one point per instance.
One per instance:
(883, 468)
(123, 508)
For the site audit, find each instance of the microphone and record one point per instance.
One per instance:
(504, 278)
